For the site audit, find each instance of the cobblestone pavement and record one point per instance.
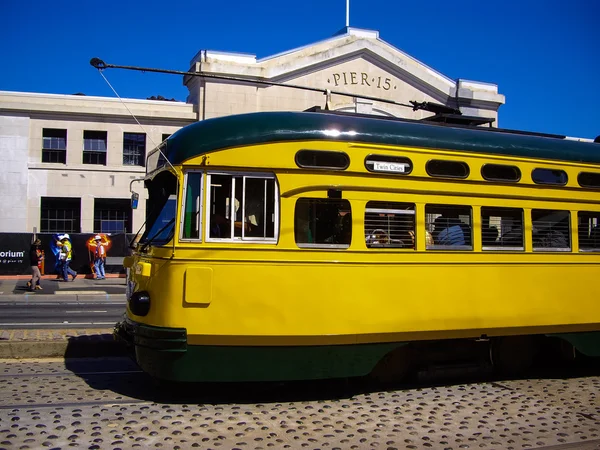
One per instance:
(108, 403)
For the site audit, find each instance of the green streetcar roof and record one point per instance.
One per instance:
(269, 127)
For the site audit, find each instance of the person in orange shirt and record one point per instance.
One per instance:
(99, 258)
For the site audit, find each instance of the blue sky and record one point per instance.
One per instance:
(544, 55)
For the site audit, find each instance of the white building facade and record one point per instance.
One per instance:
(67, 161)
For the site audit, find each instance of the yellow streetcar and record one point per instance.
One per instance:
(308, 245)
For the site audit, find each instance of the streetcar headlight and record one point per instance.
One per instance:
(139, 303)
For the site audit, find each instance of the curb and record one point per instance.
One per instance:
(91, 347)
(61, 296)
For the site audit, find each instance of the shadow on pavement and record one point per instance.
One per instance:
(108, 367)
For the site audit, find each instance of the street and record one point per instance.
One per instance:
(109, 403)
(42, 314)
(84, 303)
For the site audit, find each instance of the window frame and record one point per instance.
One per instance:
(591, 214)
(200, 207)
(461, 247)
(452, 161)
(322, 245)
(501, 248)
(552, 249)
(48, 151)
(588, 186)
(545, 183)
(140, 156)
(336, 152)
(501, 180)
(379, 209)
(75, 212)
(127, 220)
(242, 239)
(99, 154)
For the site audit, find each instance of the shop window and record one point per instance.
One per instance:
(551, 230)
(549, 176)
(501, 228)
(447, 169)
(323, 223)
(54, 146)
(589, 180)
(396, 165)
(320, 159)
(500, 172)
(60, 215)
(242, 207)
(112, 215)
(94, 147)
(589, 231)
(134, 149)
(390, 225)
(448, 227)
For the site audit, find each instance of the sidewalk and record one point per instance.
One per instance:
(67, 343)
(14, 287)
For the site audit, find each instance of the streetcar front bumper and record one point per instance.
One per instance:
(134, 335)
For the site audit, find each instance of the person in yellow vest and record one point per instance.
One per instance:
(66, 252)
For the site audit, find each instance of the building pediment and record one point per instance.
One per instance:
(354, 61)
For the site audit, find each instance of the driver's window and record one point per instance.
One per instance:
(390, 225)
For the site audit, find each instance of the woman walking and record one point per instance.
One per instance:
(35, 257)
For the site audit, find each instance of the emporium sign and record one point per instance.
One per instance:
(360, 79)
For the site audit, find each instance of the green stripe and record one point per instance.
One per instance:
(224, 363)
(256, 128)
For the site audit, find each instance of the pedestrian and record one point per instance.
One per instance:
(35, 258)
(99, 258)
(66, 252)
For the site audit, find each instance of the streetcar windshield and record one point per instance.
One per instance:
(162, 206)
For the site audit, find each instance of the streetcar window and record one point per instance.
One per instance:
(321, 159)
(448, 227)
(501, 228)
(589, 231)
(160, 210)
(396, 165)
(500, 172)
(191, 206)
(549, 176)
(447, 169)
(589, 179)
(241, 207)
(390, 225)
(323, 223)
(551, 230)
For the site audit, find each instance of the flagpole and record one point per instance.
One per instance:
(347, 13)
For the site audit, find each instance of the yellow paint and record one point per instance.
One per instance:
(143, 269)
(198, 285)
(269, 294)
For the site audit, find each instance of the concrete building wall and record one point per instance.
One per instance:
(353, 71)
(14, 158)
(25, 179)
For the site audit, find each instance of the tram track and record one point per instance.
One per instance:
(27, 406)
(112, 404)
